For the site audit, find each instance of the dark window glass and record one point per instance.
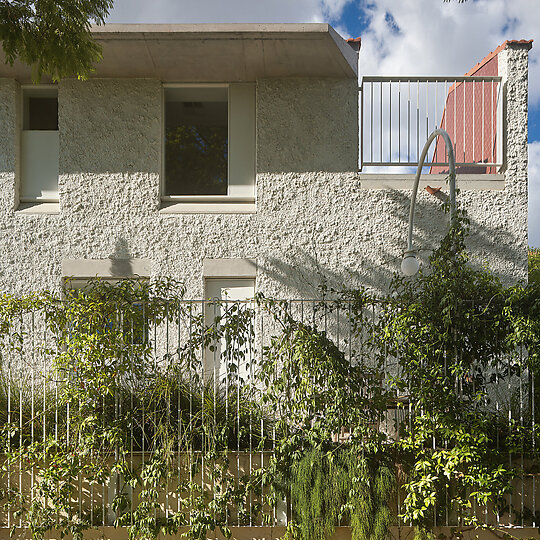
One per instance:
(196, 146)
(43, 113)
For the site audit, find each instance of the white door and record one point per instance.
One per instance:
(228, 312)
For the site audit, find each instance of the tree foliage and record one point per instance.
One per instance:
(52, 36)
(534, 265)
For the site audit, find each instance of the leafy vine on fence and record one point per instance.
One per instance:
(435, 349)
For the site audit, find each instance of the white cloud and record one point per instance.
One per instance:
(534, 193)
(431, 37)
(333, 9)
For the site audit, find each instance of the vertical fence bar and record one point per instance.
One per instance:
(146, 324)
(45, 377)
(509, 367)
(192, 378)
(521, 425)
(497, 415)
(178, 408)
(168, 409)
(21, 382)
(250, 378)
(33, 382)
(533, 430)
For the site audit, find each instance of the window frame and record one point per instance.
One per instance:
(28, 90)
(232, 202)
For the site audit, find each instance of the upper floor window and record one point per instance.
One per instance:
(209, 141)
(39, 144)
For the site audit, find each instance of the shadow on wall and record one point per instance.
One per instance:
(307, 274)
(121, 262)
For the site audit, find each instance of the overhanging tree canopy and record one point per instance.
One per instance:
(52, 36)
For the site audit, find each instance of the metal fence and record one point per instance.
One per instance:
(217, 385)
(399, 113)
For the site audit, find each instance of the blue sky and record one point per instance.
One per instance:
(399, 37)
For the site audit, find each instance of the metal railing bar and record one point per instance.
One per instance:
(417, 119)
(399, 121)
(483, 120)
(371, 131)
(381, 121)
(473, 120)
(389, 119)
(408, 120)
(463, 120)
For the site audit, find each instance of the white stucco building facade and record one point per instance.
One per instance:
(306, 216)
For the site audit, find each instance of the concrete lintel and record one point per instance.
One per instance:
(230, 268)
(106, 268)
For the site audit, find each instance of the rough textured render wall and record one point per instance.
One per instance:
(314, 223)
(340, 234)
(499, 232)
(9, 90)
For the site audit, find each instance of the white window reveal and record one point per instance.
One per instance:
(39, 145)
(209, 143)
(228, 300)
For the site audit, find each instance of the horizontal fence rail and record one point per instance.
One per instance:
(193, 368)
(399, 113)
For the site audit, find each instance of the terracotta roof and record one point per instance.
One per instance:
(501, 47)
(355, 41)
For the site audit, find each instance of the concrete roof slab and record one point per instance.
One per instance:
(217, 52)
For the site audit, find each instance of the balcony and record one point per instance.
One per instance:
(145, 415)
(399, 113)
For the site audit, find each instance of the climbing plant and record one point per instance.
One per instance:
(404, 407)
(108, 396)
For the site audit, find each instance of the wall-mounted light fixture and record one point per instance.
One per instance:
(409, 264)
